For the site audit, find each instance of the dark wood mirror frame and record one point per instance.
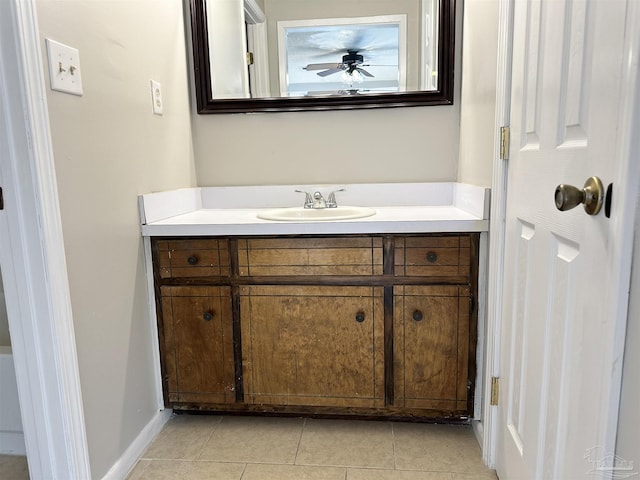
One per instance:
(206, 104)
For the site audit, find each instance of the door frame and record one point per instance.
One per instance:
(33, 260)
(626, 179)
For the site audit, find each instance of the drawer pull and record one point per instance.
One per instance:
(192, 260)
(417, 315)
(432, 257)
(208, 316)
(360, 317)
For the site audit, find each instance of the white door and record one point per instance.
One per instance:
(558, 335)
(227, 49)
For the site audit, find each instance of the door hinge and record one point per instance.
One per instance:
(495, 390)
(504, 143)
(249, 58)
(1, 200)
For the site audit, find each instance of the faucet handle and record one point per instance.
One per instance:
(308, 199)
(331, 202)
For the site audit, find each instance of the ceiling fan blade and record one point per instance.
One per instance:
(331, 71)
(364, 72)
(322, 66)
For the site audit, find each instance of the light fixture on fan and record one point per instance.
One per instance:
(351, 77)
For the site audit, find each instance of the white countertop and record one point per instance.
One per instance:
(400, 208)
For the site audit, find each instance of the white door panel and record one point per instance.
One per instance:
(227, 49)
(567, 66)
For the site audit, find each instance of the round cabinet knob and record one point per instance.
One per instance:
(360, 317)
(208, 316)
(192, 260)
(417, 315)
(432, 257)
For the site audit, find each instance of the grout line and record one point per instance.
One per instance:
(304, 424)
(243, 471)
(206, 442)
(393, 444)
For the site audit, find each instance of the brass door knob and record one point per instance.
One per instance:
(591, 195)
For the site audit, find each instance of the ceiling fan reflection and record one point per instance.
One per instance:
(351, 62)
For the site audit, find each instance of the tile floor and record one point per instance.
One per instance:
(13, 468)
(264, 448)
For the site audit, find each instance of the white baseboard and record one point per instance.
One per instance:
(478, 430)
(127, 461)
(12, 443)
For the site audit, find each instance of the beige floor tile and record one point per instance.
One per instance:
(475, 476)
(346, 443)
(254, 440)
(368, 474)
(292, 472)
(185, 470)
(14, 467)
(183, 437)
(443, 448)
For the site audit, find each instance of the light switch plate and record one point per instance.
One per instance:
(64, 67)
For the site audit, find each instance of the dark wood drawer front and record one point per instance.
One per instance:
(310, 256)
(193, 258)
(433, 256)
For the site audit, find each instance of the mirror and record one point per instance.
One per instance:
(321, 54)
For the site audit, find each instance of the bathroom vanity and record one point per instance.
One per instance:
(374, 316)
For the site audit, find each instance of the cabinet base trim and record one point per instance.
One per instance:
(397, 414)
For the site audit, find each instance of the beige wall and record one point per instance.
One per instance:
(108, 148)
(381, 145)
(477, 116)
(386, 145)
(4, 321)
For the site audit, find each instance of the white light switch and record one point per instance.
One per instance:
(156, 97)
(64, 67)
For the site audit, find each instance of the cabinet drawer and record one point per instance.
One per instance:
(433, 255)
(310, 256)
(192, 258)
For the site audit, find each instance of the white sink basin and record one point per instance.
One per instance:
(301, 214)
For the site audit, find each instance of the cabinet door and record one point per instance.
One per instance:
(431, 347)
(319, 345)
(198, 344)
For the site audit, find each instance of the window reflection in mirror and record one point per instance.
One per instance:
(338, 56)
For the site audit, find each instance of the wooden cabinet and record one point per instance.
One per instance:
(319, 345)
(431, 347)
(377, 325)
(198, 344)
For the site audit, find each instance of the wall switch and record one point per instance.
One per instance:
(156, 97)
(64, 67)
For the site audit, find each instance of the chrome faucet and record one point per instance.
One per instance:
(331, 203)
(308, 199)
(317, 200)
